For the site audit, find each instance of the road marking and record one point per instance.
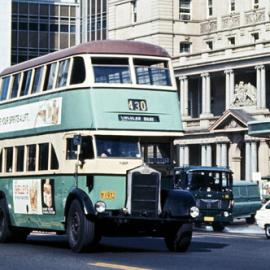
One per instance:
(117, 266)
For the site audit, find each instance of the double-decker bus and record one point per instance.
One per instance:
(86, 146)
(212, 189)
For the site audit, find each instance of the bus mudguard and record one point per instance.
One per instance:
(84, 200)
(177, 203)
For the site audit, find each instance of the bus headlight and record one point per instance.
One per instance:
(100, 206)
(194, 211)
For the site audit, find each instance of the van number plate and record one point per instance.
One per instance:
(209, 219)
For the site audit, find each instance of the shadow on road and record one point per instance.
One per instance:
(122, 245)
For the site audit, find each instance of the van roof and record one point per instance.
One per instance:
(204, 168)
(244, 183)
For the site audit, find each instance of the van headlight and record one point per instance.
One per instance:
(100, 206)
(194, 211)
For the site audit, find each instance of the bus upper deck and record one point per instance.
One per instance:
(139, 75)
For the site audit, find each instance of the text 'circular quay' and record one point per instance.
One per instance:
(135, 119)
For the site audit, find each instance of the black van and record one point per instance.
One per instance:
(247, 200)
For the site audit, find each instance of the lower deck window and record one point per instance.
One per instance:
(31, 157)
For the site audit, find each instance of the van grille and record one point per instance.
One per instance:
(144, 194)
(212, 204)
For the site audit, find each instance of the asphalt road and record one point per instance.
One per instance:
(240, 247)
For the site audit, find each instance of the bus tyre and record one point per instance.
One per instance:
(218, 227)
(19, 235)
(267, 231)
(178, 241)
(80, 230)
(5, 231)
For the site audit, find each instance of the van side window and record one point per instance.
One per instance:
(4, 88)
(78, 71)
(15, 86)
(26, 82)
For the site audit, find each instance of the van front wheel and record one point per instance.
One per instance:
(267, 231)
(218, 227)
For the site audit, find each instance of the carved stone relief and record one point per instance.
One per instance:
(244, 94)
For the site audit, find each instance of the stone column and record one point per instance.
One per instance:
(184, 95)
(224, 155)
(206, 94)
(221, 154)
(206, 155)
(247, 160)
(218, 154)
(186, 155)
(253, 159)
(261, 86)
(183, 155)
(229, 87)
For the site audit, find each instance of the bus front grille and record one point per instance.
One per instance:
(145, 194)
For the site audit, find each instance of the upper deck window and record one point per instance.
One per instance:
(26, 82)
(36, 88)
(78, 71)
(50, 76)
(15, 86)
(4, 88)
(62, 73)
(111, 70)
(152, 72)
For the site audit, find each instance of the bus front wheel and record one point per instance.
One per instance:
(81, 231)
(5, 231)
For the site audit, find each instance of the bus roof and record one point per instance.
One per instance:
(95, 47)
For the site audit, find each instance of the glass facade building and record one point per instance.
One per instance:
(40, 27)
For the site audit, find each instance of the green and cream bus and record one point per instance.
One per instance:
(86, 146)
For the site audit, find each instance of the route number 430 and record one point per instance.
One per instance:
(137, 105)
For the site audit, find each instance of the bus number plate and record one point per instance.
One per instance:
(107, 195)
(137, 105)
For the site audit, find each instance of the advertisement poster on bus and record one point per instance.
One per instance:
(35, 196)
(27, 196)
(35, 115)
(48, 204)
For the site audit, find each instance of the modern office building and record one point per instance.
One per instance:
(36, 27)
(5, 33)
(93, 20)
(43, 26)
(221, 53)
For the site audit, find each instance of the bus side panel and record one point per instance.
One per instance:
(110, 189)
(36, 203)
